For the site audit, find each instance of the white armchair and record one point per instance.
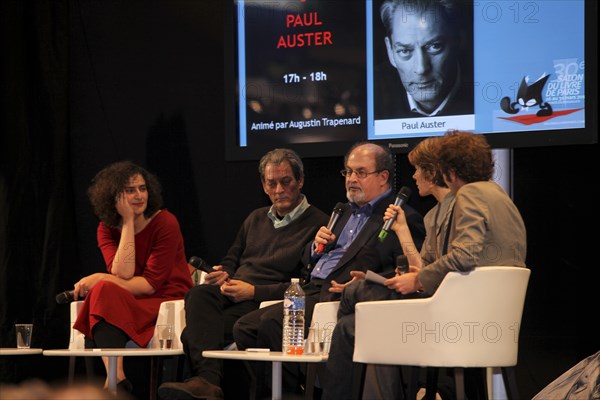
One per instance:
(325, 314)
(473, 320)
(170, 312)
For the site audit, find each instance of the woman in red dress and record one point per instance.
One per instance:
(144, 254)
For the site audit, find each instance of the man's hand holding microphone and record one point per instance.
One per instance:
(325, 236)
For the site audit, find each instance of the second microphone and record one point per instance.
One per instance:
(338, 210)
(401, 198)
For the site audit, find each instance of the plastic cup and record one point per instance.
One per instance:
(327, 333)
(24, 332)
(318, 340)
(312, 341)
(165, 336)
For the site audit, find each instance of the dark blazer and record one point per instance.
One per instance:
(366, 251)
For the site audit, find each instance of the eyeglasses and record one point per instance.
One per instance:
(360, 174)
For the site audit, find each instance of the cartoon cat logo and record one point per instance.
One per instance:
(528, 96)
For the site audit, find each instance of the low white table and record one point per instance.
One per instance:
(275, 357)
(112, 355)
(13, 351)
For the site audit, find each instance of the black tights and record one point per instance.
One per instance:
(106, 336)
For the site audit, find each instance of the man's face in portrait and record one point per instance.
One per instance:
(423, 50)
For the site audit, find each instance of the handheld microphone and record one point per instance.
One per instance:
(200, 264)
(338, 210)
(402, 264)
(67, 297)
(401, 198)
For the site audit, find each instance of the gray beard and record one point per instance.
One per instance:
(356, 198)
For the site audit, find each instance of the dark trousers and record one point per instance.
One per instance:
(106, 336)
(209, 318)
(338, 384)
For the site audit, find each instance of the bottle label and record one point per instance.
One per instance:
(295, 350)
(294, 303)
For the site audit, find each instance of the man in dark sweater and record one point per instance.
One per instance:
(352, 245)
(266, 254)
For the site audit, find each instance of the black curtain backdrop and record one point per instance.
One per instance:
(85, 83)
(37, 224)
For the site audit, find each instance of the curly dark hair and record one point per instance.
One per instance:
(425, 156)
(111, 181)
(467, 154)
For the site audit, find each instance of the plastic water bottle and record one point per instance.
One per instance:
(293, 319)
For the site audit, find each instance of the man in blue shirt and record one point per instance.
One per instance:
(351, 245)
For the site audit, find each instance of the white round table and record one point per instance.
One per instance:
(275, 357)
(13, 351)
(112, 355)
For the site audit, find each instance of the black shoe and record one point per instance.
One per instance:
(125, 386)
(193, 388)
